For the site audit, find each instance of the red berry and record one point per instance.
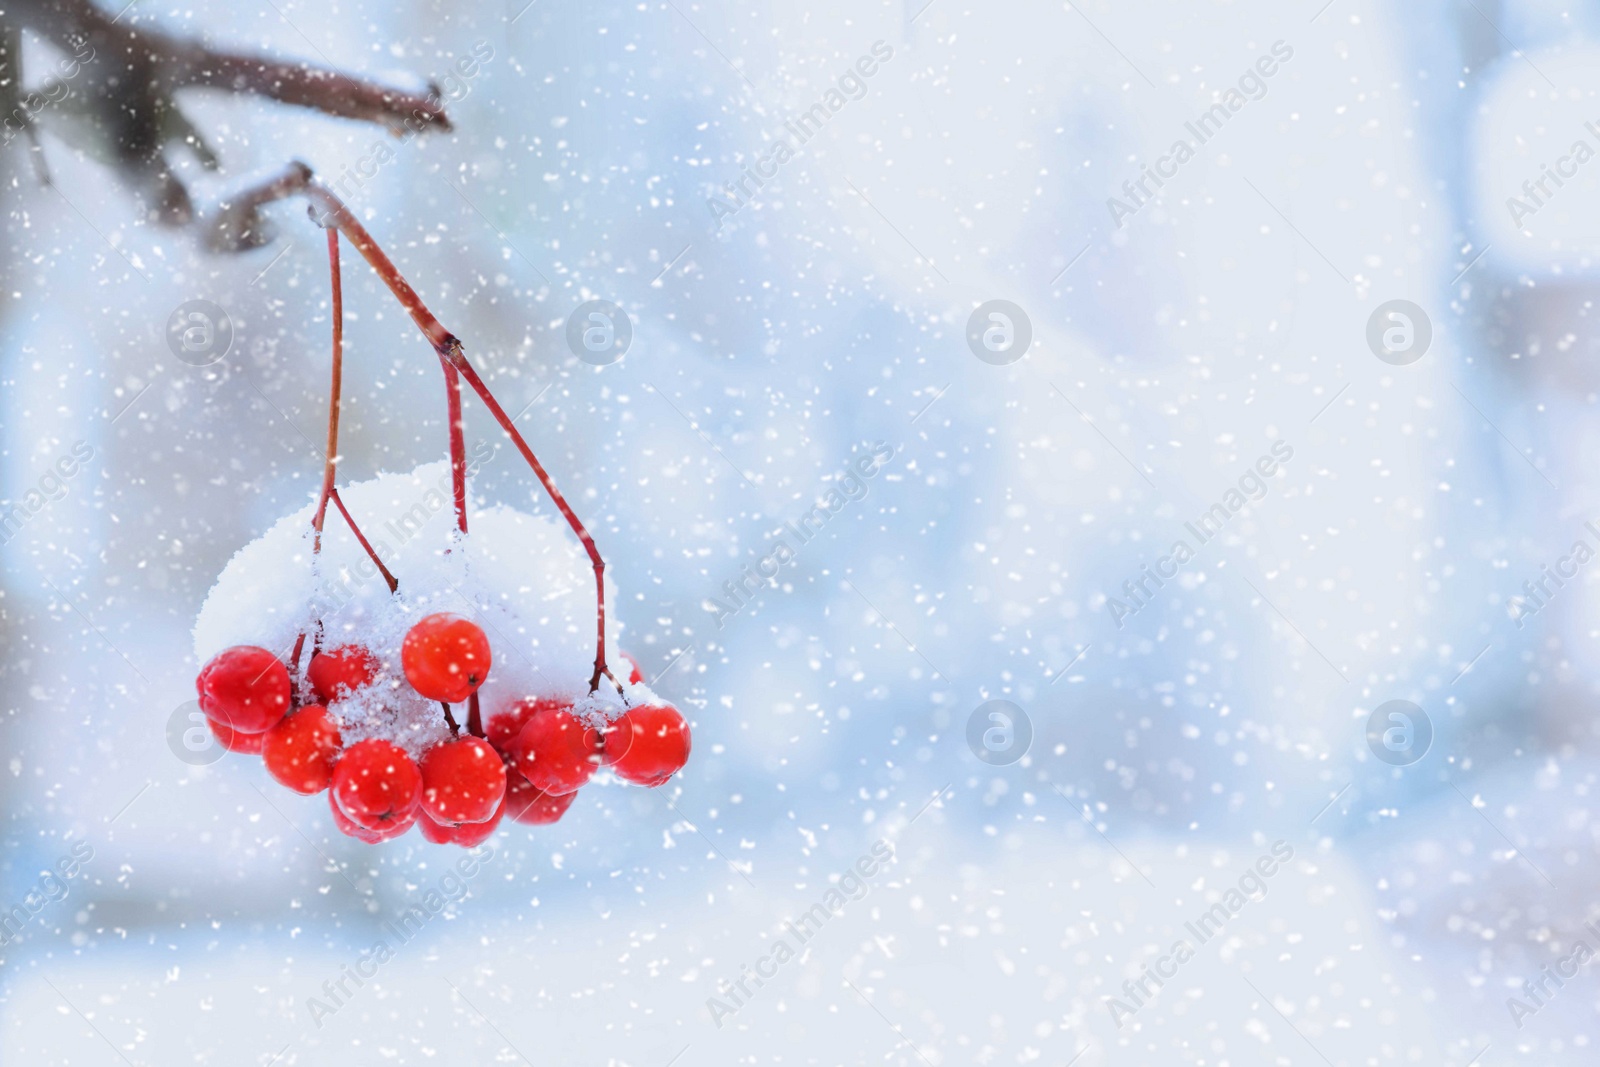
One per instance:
(301, 750)
(245, 688)
(432, 831)
(503, 728)
(339, 672)
(446, 657)
(234, 741)
(346, 827)
(463, 781)
(467, 835)
(527, 804)
(361, 833)
(555, 751)
(377, 784)
(648, 744)
(398, 829)
(636, 675)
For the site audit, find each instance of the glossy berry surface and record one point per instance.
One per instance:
(467, 835)
(527, 804)
(300, 752)
(372, 837)
(234, 741)
(244, 688)
(503, 727)
(648, 744)
(556, 752)
(635, 672)
(463, 781)
(348, 828)
(445, 657)
(376, 784)
(340, 671)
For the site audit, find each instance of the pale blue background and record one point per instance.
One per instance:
(826, 316)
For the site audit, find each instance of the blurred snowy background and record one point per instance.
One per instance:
(828, 314)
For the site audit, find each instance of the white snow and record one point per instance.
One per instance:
(524, 579)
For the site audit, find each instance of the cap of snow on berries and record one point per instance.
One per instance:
(521, 578)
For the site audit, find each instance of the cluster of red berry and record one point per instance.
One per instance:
(527, 763)
(530, 758)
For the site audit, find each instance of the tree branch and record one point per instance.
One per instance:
(131, 74)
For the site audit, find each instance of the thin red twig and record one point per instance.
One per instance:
(331, 458)
(510, 428)
(294, 670)
(458, 445)
(394, 583)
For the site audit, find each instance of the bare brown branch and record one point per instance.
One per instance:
(131, 74)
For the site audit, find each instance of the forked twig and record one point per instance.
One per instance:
(242, 215)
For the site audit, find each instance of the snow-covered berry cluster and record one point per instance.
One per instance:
(375, 718)
(372, 719)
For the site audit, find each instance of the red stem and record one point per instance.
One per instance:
(510, 428)
(474, 718)
(331, 459)
(329, 469)
(458, 445)
(294, 670)
(394, 583)
(240, 216)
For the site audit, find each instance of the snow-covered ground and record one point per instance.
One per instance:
(948, 956)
